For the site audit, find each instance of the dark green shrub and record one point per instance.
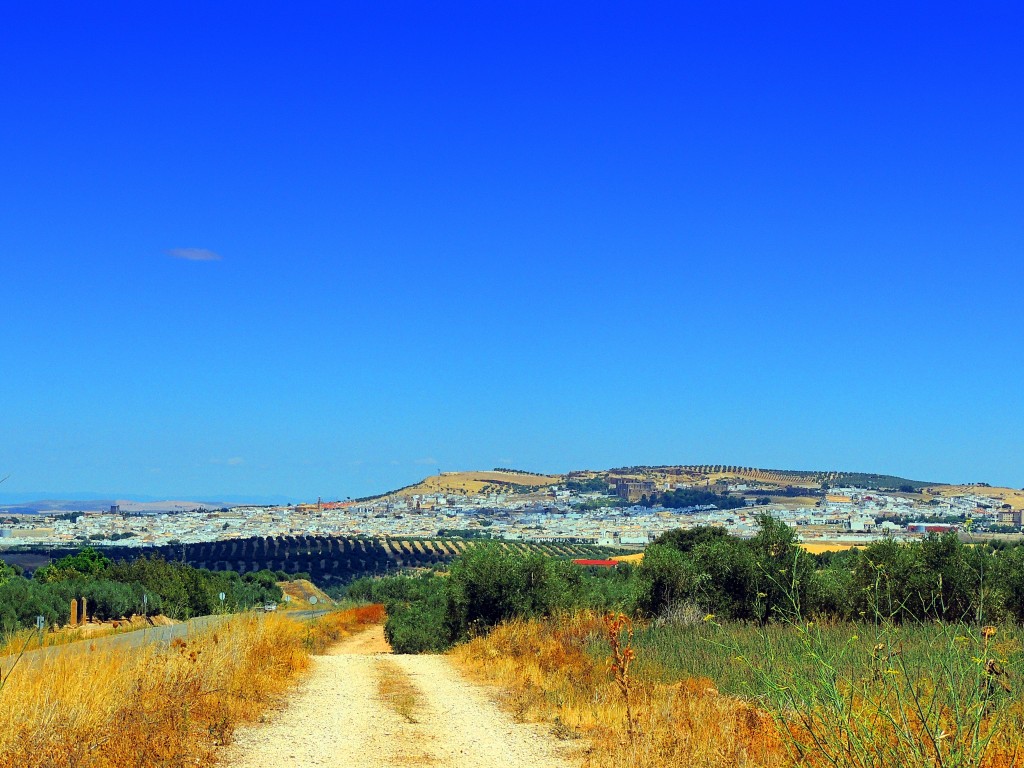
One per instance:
(22, 600)
(418, 627)
(490, 584)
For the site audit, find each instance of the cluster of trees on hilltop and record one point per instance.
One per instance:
(763, 579)
(682, 498)
(507, 486)
(117, 589)
(589, 485)
(676, 499)
(790, 491)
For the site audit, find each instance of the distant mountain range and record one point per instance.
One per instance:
(51, 506)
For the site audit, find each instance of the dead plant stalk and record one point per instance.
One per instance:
(622, 657)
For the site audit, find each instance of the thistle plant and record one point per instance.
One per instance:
(619, 628)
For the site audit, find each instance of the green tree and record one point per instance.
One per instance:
(781, 571)
(490, 583)
(727, 583)
(7, 572)
(665, 577)
(86, 563)
(1010, 574)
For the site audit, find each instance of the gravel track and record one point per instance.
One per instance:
(337, 718)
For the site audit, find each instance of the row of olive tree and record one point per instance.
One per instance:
(116, 589)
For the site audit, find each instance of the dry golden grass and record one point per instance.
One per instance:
(23, 640)
(14, 643)
(147, 706)
(155, 705)
(549, 671)
(300, 590)
(545, 674)
(474, 482)
(396, 689)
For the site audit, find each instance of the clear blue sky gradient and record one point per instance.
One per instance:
(547, 236)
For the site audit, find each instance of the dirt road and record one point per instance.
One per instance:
(364, 708)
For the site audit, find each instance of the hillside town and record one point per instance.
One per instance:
(553, 513)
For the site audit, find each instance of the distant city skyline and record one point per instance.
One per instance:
(267, 253)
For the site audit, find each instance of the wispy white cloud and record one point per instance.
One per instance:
(194, 254)
(234, 461)
(430, 461)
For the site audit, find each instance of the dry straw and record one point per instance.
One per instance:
(157, 705)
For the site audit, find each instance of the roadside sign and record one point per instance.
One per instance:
(222, 596)
(313, 600)
(287, 598)
(40, 622)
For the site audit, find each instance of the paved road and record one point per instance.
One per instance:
(137, 638)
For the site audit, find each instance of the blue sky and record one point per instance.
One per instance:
(264, 252)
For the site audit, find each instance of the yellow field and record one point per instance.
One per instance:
(817, 547)
(814, 547)
(636, 558)
(1010, 496)
(475, 482)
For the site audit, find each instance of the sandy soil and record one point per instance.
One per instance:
(338, 718)
(365, 643)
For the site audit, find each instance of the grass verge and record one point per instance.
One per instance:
(552, 671)
(396, 689)
(25, 640)
(844, 696)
